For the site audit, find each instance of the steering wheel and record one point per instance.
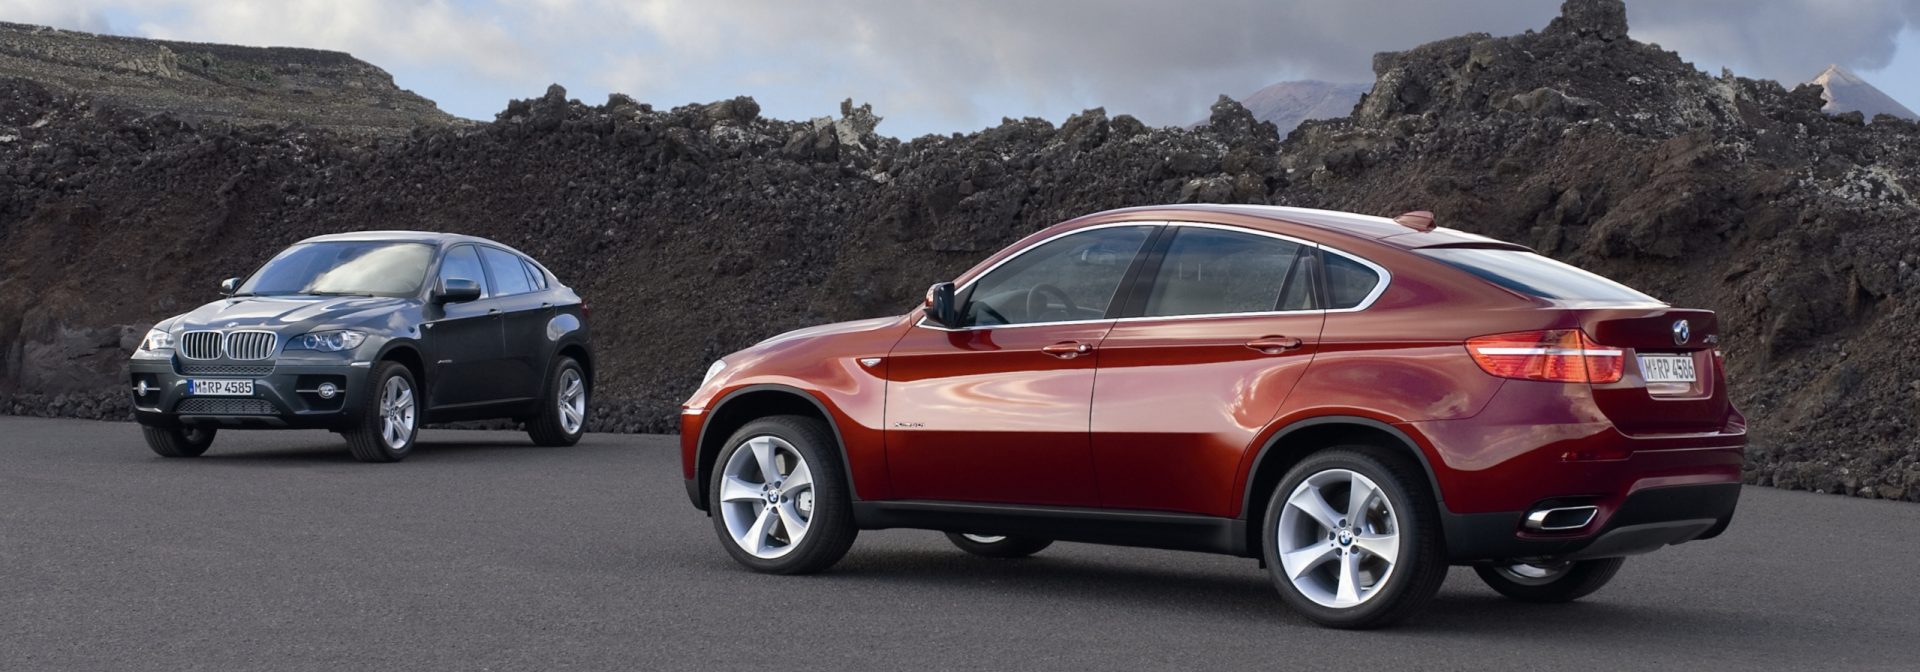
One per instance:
(1037, 303)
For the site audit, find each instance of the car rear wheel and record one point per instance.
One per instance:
(563, 410)
(388, 420)
(1352, 540)
(997, 546)
(780, 501)
(186, 441)
(1550, 582)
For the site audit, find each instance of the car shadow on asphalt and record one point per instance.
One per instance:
(1459, 609)
(336, 452)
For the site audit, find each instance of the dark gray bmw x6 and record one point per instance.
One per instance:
(370, 335)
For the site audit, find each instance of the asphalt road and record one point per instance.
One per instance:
(277, 551)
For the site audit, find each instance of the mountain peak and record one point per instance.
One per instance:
(1846, 91)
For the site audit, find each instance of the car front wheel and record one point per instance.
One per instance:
(178, 441)
(1352, 540)
(780, 501)
(388, 419)
(1549, 582)
(563, 408)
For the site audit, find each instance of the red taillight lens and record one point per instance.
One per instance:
(1562, 355)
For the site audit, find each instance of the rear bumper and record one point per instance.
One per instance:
(285, 396)
(1644, 521)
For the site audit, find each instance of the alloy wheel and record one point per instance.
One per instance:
(572, 402)
(396, 413)
(1339, 538)
(766, 497)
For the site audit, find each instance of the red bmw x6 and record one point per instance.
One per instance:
(1357, 402)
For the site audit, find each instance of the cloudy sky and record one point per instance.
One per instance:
(937, 66)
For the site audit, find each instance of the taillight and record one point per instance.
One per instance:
(1562, 355)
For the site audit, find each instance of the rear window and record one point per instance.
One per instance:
(1535, 275)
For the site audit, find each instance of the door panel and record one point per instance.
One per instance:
(1178, 402)
(463, 340)
(465, 345)
(1210, 346)
(524, 312)
(986, 416)
(996, 411)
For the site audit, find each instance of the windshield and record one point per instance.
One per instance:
(367, 268)
(1535, 275)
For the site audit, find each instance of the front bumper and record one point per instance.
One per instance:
(285, 394)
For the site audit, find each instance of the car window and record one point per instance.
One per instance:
(1535, 275)
(370, 268)
(463, 264)
(1213, 272)
(1067, 279)
(534, 273)
(1349, 282)
(1298, 294)
(509, 275)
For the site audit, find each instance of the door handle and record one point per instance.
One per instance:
(493, 311)
(1067, 350)
(1274, 345)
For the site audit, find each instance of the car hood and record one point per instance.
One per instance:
(825, 330)
(285, 314)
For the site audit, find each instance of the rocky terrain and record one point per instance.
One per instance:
(218, 82)
(1715, 191)
(1287, 104)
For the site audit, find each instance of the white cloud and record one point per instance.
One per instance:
(935, 65)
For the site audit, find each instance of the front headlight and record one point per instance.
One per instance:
(156, 341)
(714, 370)
(338, 340)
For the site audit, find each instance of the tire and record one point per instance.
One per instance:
(562, 418)
(998, 546)
(1341, 575)
(369, 437)
(1550, 584)
(178, 441)
(740, 504)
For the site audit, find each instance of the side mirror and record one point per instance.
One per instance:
(229, 286)
(456, 290)
(940, 306)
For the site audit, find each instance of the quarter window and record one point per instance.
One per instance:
(1215, 272)
(1349, 282)
(534, 273)
(1072, 278)
(509, 275)
(463, 264)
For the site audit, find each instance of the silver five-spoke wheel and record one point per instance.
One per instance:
(572, 401)
(396, 413)
(766, 497)
(1339, 538)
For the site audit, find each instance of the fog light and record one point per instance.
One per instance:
(328, 390)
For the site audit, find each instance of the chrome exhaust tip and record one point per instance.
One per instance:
(1560, 519)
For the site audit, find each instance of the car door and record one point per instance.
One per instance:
(1213, 339)
(996, 411)
(463, 339)
(524, 311)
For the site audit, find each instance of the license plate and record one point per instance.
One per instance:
(1667, 368)
(219, 388)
